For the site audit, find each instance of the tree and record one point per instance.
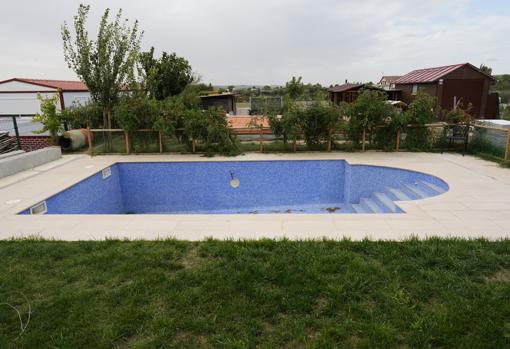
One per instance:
(486, 69)
(106, 65)
(367, 112)
(50, 117)
(166, 76)
(89, 114)
(294, 88)
(419, 113)
(211, 128)
(135, 112)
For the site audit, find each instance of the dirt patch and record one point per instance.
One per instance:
(502, 275)
(192, 259)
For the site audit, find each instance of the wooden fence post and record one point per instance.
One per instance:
(507, 148)
(330, 132)
(126, 139)
(160, 142)
(397, 148)
(363, 135)
(193, 145)
(294, 145)
(89, 140)
(261, 145)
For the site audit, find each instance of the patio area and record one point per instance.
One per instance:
(476, 205)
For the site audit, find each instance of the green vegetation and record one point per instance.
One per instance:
(107, 65)
(502, 86)
(267, 294)
(420, 113)
(369, 111)
(167, 76)
(50, 117)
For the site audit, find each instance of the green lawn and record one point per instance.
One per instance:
(267, 294)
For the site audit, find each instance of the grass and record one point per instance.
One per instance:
(267, 294)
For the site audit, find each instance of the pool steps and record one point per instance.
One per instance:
(384, 202)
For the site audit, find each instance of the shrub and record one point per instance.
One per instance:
(419, 113)
(89, 114)
(316, 121)
(135, 112)
(211, 128)
(369, 111)
(50, 117)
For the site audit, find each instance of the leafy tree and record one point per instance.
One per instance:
(135, 112)
(419, 113)
(166, 76)
(50, 117)
(294, 88)
(367, 112)
(79, 115)
(106, 65)
(316, 121)
(211, 128)
(486, 69)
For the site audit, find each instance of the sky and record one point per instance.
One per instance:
(259, 42)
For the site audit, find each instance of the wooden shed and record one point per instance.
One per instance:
(225, 101)
(348, 92)
(459, 84)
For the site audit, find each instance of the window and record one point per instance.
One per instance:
(415, 89)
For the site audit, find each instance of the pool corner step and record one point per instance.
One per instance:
(358, 208)
(387, 205)
(416, 190)
(370, 205)
(398, 194)
(436, 190)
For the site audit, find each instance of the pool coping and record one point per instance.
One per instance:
(472, 182)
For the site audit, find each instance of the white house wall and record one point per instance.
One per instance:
(75, 97)
(25, 103)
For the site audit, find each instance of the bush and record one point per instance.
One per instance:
(210, 127)
(369, 111)
(135, 112)
(50, 117)
(419, 113)
(316, 121)
(85, 115)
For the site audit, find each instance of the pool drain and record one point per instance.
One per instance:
(234, 182)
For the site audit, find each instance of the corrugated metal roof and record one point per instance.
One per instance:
(428, 74)
(64, 85)
(345, 87)
(434, 74)
(390, 78)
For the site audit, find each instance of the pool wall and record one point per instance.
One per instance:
(204, 187)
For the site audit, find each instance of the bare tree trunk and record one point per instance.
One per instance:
(107, 124)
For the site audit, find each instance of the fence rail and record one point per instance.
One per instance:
(480, 135)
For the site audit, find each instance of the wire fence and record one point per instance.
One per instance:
(477, 138)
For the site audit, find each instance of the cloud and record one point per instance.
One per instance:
(267, 42)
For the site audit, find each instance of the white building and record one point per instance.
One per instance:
(19, 96)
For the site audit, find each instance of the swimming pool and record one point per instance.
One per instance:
(221, 187)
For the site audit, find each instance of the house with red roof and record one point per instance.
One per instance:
(18, 96)
(452, 85)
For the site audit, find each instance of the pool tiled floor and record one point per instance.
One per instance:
(477, 204)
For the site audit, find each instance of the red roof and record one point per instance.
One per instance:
(432, 74)
(64, 85)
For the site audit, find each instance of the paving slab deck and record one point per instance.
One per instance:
(476, 205)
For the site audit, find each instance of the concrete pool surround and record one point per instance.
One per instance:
(477, 203)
